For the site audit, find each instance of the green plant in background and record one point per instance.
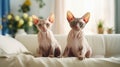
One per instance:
(100, 27)
(16, 22)
(110, 30)
(41, 3)
(25, 7)
(100, 24)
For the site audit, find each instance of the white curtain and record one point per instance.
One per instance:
(59, 10)
(99, 9)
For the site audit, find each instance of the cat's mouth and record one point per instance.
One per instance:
(43, 29)
(76, 28)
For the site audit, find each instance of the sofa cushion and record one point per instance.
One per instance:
(97, 44)
(112, 42)
(29, 41)
(95, 41)
(9, 45)
(62, 40)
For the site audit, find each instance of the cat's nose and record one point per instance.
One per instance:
(44, 29)
(77, 25)
(77, 28)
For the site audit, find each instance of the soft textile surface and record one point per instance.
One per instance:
(29, 41)
(29, 61)
(112, 45)
(62, 40)
(10, 45)
(97, 44)
(95, 41)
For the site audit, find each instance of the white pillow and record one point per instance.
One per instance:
(9, 45)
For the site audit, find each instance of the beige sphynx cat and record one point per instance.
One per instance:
(48, 45)
(77, 45)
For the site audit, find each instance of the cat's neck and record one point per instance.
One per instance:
(77, 31)
(44, 33)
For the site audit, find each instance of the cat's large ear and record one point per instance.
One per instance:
(70, 16)
(35, 19)
(51, 18)
(86, 17)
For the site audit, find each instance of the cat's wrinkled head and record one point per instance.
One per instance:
(77, 23)
(43, 24)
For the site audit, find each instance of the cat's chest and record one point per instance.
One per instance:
(75, 38)
(44, 39)
(75, 42)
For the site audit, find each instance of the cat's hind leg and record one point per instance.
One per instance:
(39, 52)
(81, 53)
(51, 52)
(66, 52)
(88, 54)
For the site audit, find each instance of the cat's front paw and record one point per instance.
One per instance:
(65, 55)
(81, 57)
(59, 56)
(51, 56)
(38, 55)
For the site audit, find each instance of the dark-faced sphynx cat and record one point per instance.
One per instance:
(77, 45)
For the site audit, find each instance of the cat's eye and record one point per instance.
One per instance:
(39, 25)
(81, 24)
(73, 23)
(47, 24)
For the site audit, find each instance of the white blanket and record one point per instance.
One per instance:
(23, 60)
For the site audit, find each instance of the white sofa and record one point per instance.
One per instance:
(106, 53)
